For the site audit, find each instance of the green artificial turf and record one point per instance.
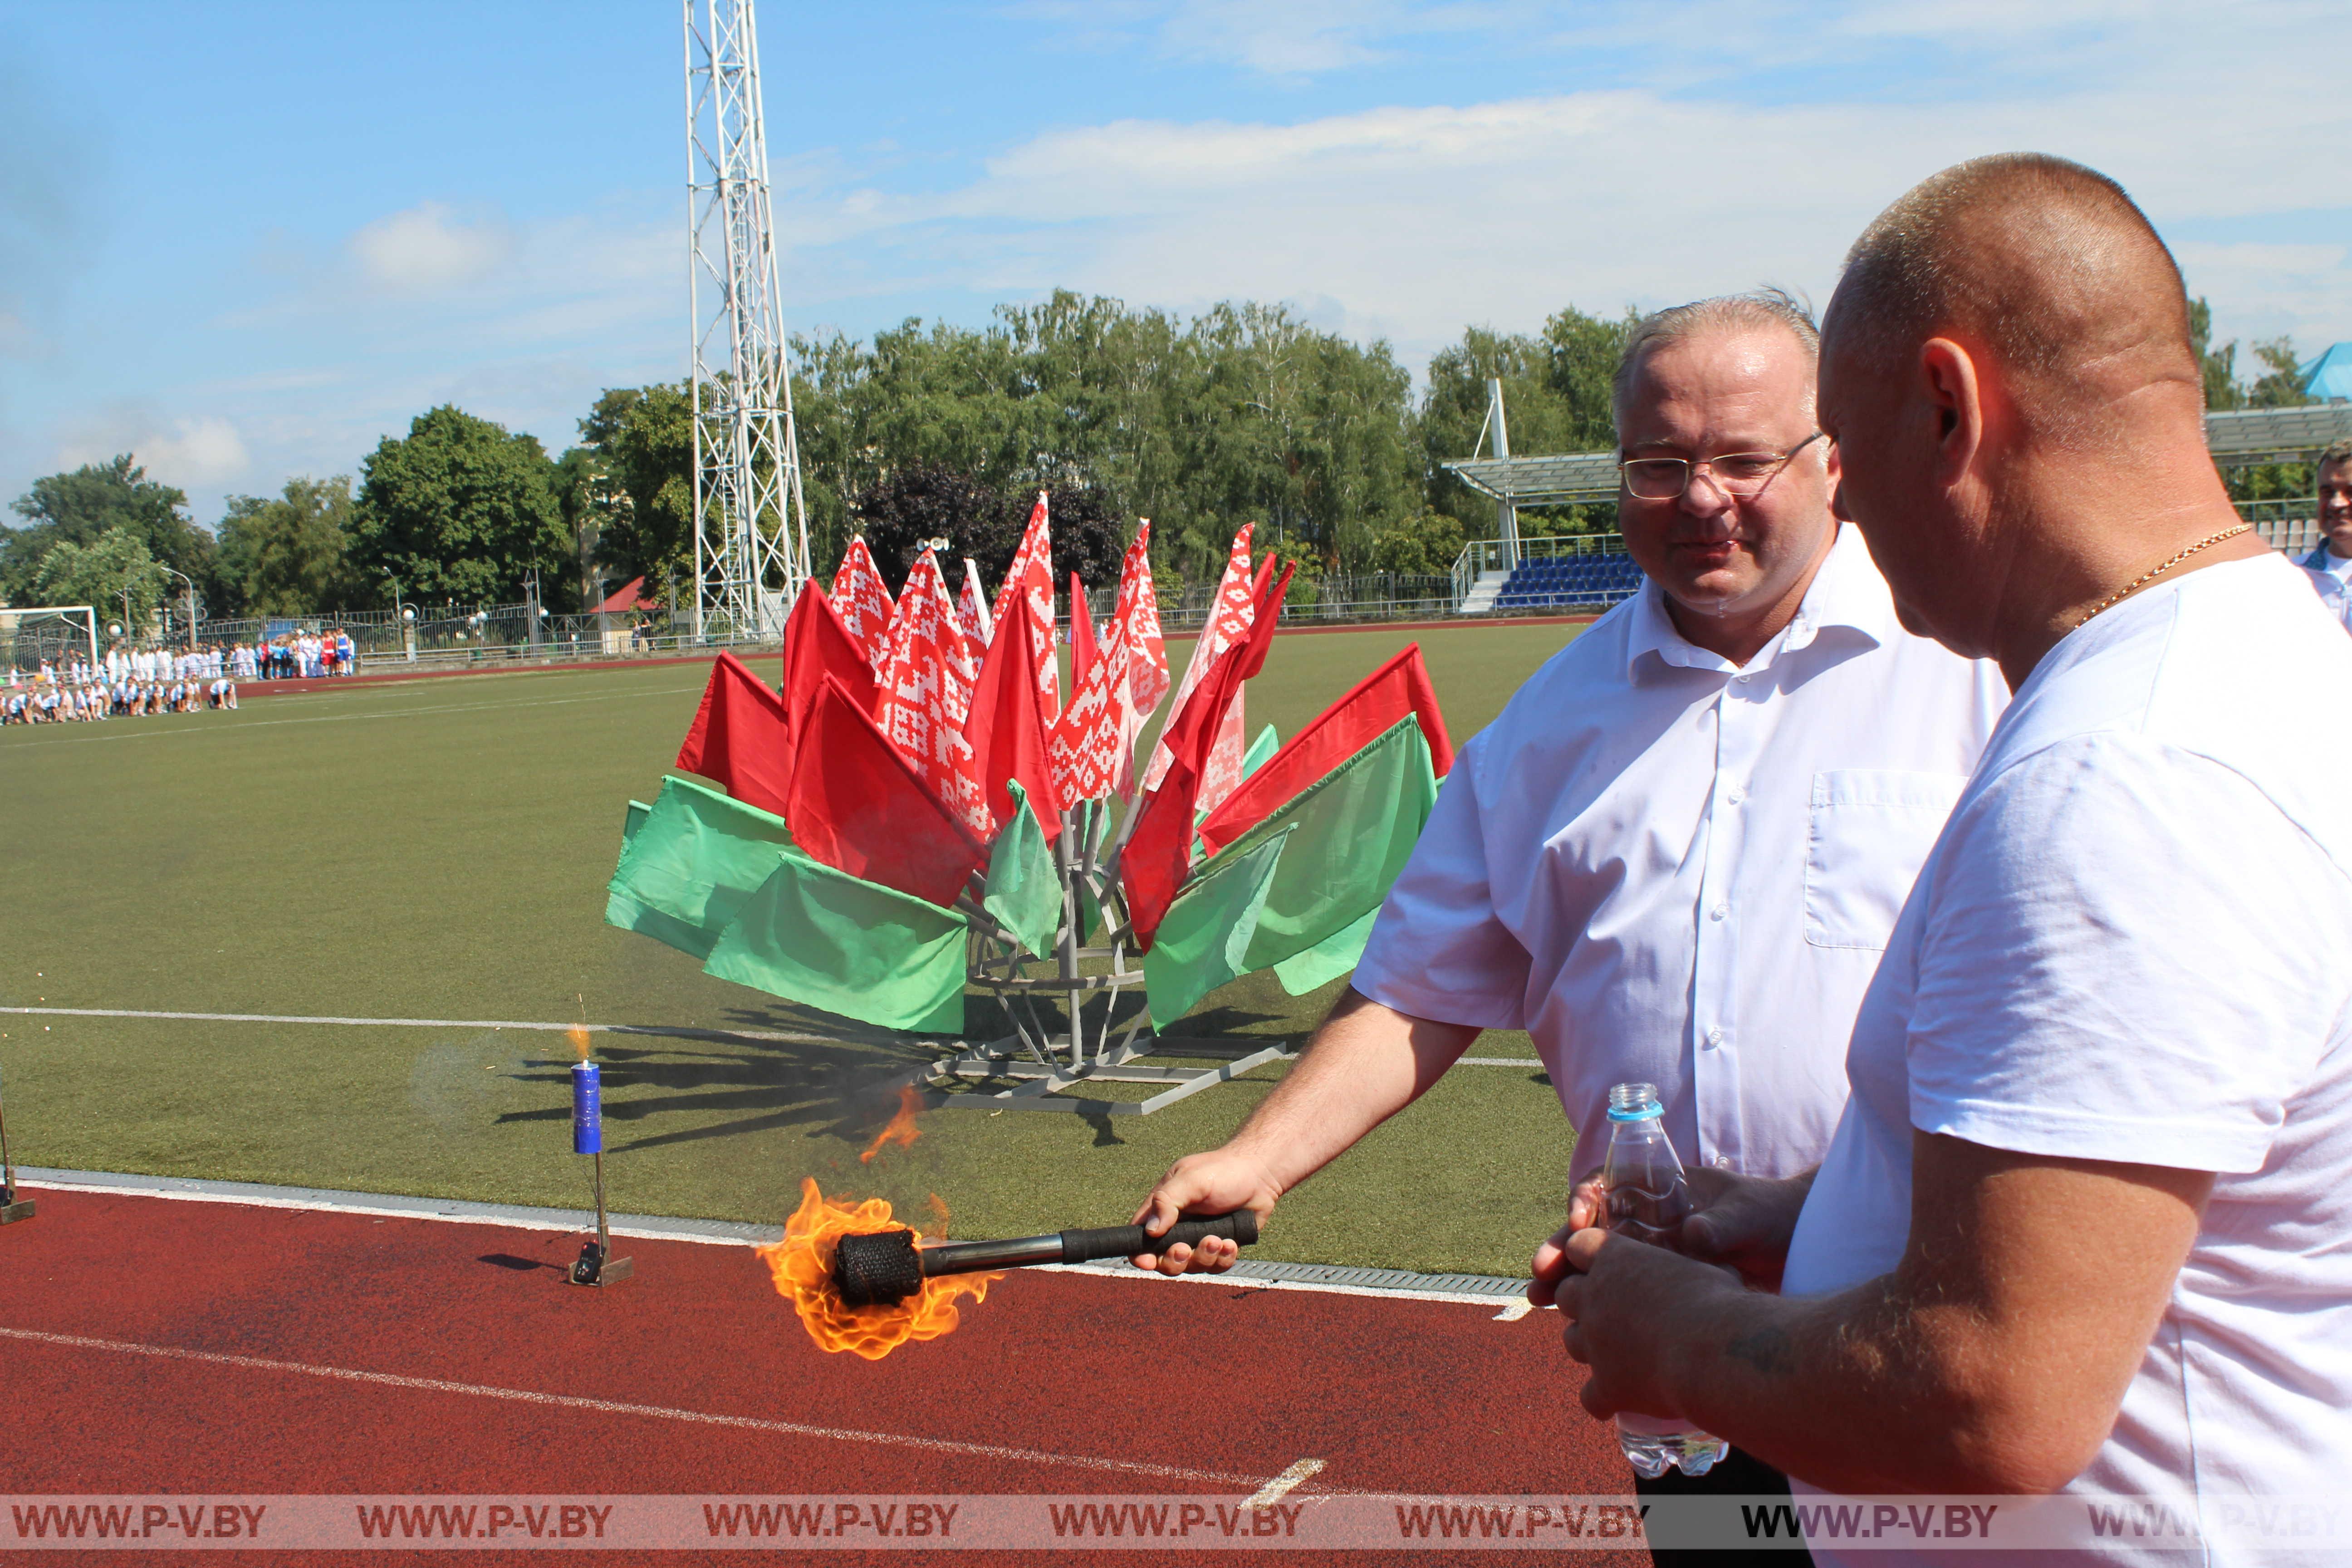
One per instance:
(438, 849)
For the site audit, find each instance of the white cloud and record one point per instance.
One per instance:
(197, 452)
(428, 248)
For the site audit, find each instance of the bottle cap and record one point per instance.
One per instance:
(1633, 1102)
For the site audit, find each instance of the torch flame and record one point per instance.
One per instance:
(578, 1035)
(802, 1266)
(902, 1130)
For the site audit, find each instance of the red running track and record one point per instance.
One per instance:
(1108, 1386)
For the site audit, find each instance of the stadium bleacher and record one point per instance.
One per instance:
(1570, 580)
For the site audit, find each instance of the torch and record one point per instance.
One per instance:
(12, 1208)
(596, 1265)
(883, 1267)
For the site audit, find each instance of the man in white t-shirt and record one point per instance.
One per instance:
(2084, 1227)
(1674, 857)
(2330, 564)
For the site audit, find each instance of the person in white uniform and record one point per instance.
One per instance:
(2084, 1224)
(1676, 855)
(2330, 564)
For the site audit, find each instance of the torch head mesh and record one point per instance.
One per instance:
(879, 1269)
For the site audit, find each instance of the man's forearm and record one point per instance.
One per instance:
(1365, 1064)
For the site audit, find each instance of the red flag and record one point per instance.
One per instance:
(1008, 727)
(740, 739)
(925, 684)
(1158, 855)
(1137, 612)
(858, 805)
(817, 644)
(1229, 618)
(1396, 689)
(1083, 745)
(1083, 649)
(1026, 598)
(862, 598)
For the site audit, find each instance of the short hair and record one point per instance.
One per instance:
(2048, 264)
(2338, 451)
(1765, 307)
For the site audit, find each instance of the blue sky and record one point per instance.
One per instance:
(245, 241)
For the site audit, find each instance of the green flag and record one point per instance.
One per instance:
(1351, 832)
(1261, 750)
(1024, 890)
(825, 938)
(639, 812)
(1327, 959)
(691, 863)
(1205, 934)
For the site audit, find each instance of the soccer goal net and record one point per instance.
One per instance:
(57, 635)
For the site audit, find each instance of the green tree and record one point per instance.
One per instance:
(114, 573)
(95, 500)
(2280, 383)
(458, 509)
(2220, 366)
(642, 506)
(289, 555)
(1420, 546)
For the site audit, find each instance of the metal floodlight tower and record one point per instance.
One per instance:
(751, 531)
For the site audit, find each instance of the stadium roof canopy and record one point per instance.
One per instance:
(2236, 439)
(2330, 377)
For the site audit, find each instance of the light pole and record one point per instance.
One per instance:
(407, 618)
(191, 581)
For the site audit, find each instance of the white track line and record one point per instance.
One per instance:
(1275, 1490)
(655, 1411)
(662, 1029)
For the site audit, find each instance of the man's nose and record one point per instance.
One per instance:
(1705, 498)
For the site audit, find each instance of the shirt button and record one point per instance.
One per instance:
(1735, 796)
(1745, 679)
(1715, 1035)
(1717, 913)
(1721, 1161)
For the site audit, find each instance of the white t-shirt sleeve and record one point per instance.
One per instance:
(1437, 950)
(2115, 962)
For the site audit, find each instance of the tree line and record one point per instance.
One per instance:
(927, 430)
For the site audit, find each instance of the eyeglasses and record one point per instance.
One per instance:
(1737, 474)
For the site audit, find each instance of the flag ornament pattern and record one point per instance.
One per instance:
(926, 679)
(862, 598)
(905, 786)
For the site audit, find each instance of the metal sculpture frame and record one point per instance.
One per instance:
(1047, 1061)
(751, 528)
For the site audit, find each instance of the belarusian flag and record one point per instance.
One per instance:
(1008, 727)
(1228, 622)
(1083, 745)
(741, 736)
(1137, 612)
(926, 678)
(862, 598)
(687, 868)
(860, 806)
(1026, 598)
(1159, 854)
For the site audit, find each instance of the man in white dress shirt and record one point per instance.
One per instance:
(1676, 855)
(2330, 564)
(2083, 1227)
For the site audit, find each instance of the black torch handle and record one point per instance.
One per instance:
(1126, 1240)
(1081, 1245)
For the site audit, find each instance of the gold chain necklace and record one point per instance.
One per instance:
(2153, 573)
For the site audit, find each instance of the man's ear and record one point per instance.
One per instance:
(1947, 379)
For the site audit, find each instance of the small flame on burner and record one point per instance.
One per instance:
(801, 1264)
(578, 1035)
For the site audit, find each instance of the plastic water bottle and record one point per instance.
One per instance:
(1647, 1199)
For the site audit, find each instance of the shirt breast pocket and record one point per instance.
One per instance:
(1872, 829)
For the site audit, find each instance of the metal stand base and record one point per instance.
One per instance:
(10, 1212)
(1043, 1084)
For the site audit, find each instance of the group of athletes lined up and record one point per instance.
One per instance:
(127, 684)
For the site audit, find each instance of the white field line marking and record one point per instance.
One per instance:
(323, 1206)
(1275, 1490)
(1514, 1311)
(659, 1029)
(346, 717)
(621, 1408)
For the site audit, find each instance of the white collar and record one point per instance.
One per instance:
(1847, 592)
